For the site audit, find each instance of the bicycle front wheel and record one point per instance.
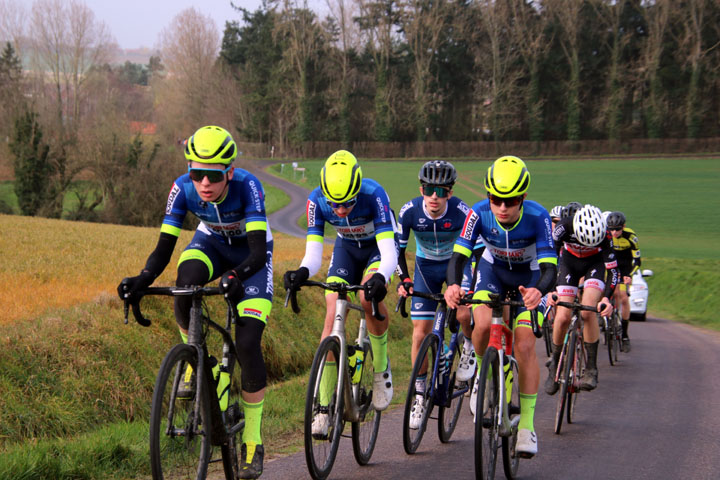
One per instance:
(578, 369)
(617, 334)
(486, 417)
(449, 413)
(547, 333)
(365, 431)
(568, 356)
(421, 400)
(323, 409)
(179, 441)
(511, 460)
(610, 338)
(230, 397)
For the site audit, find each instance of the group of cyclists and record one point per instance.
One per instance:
(503, 244)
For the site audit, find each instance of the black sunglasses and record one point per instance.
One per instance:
(214, 176)
(347, 204)
(509, 202)
(441, 192)
(615, 229)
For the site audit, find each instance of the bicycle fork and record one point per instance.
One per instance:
(501, 339)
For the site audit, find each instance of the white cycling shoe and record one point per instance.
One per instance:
(417, 412)
(466, 368)
(526, 446)
(382, 389)
(321, 423)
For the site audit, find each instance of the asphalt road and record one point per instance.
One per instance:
(651, 417)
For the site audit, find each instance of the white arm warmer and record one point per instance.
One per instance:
(388, 257)
(313, 257)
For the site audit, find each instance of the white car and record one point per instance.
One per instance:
(639, 295)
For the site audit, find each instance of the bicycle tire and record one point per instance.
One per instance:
(426, 355)
(232, 416)
(365, 431)
(511, 461)
(617, 329)
(547, 334)
(610, 338)
(320, 450)
(186, 453)
(578, 369)
(565, 381)
(448, 414)
(486, 426)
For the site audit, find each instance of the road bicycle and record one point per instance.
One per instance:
(187, 427)
(497, 411)
(611, 326)
(439, 362)
(340, 386)
(571, 364)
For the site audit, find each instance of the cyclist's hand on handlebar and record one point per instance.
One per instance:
(375, 287)
(405, 288)
(294, 278)
(130, 285)
(531, 297)
(231, 286)
(607, 311)
(453, 294)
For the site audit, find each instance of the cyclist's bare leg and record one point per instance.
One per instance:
(330, 300)
(623, 301)
(463, 317)
(528, 368)
(481, 332)
(562, 320)
(591, 332)
(420, 330)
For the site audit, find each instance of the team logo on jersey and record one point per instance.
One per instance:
(342, 271)
(252, 312)
(310, 209)
(252, 290)
(418, 306)
(494, 231)
(447, 225)
(469, 226)
(492, 287)
(405, 208)
(171, 198)
(421, 220)
(257, 197)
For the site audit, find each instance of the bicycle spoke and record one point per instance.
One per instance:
(364, 432)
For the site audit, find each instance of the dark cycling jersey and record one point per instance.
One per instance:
(578, 260)
(627, 251)
(241, 211)
(434, 237)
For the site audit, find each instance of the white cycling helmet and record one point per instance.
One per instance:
(605, 215)
(556, 211)
(589, 226)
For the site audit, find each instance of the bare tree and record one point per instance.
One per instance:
(423, 22)
(189, 47)
(13, 18)
(67, 43)
(657, 14)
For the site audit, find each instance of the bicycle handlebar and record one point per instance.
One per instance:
(338, 287)
(171, 292)
(577, 305)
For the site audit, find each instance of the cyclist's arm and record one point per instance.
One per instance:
(315, 235)
(388, 254)
(455, 268)
(160, 257)
(404, 225)
(385, 231)
(548, 277)
(255, 260)
(403, 270)
(612, 273)
(546, 254)
(635, 249)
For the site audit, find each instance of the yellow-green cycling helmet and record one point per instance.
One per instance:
(507, 177)
(211, 144)
(341, 177)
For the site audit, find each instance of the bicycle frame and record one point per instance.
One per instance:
(501, 337)
(351, 411)
(441, 396)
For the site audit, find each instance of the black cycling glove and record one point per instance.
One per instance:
(232, 287)
(375, 288)
(294, 278)
(130, 285)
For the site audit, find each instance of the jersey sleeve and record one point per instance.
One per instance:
(383, 216)
(175, 210)
(254, 201)
(469, 234)
(315, 219)
(546, 252)
(405, 221)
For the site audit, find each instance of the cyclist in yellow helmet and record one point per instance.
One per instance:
(519, 256)
(365, 252)
(233, 242)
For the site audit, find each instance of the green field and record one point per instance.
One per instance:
(670, 203)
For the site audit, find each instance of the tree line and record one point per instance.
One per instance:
(357, 71)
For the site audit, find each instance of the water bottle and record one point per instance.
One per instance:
(508, 379)
(359, 360)
(223, 387)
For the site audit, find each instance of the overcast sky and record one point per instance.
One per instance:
(137, 23)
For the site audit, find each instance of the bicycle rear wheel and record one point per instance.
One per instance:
(486, 419)
(565, 380)
(424, 362)
(179, 441)
(448, 414)
(322, 399)
(365, 431)
(511, 460)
